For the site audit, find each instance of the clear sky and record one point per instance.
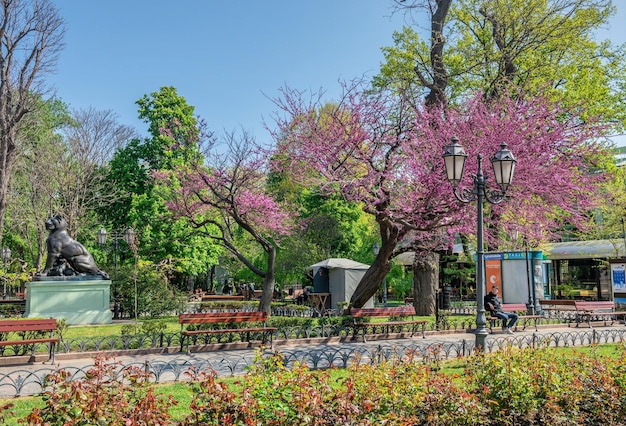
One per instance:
(225, 57)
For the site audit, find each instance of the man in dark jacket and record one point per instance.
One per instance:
(494, 305)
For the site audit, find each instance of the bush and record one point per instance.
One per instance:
(508, 387)
(545, 386)
(104, 397)
(155, 296)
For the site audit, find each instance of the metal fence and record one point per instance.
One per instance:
(29, 380)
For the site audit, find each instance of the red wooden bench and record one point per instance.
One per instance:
(218, 319)
(586, 311)
(517, 308)
(358, 314)
(28, 329)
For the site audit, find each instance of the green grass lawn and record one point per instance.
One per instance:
(78, 331)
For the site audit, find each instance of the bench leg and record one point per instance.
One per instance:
(51, 354)
(270, 339)
(182, 344)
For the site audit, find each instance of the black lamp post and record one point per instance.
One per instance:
(6, 257)
(503, 166)
(128, 237)
(624, 237)
(376, 250)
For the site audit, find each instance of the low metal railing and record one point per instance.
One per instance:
(28, 381)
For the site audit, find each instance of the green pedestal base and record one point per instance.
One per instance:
(76, 301)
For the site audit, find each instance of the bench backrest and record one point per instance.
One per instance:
(556, 302)
(48, 324)
(582, 305)
(395, 311)
(514, 307)
(222, 317)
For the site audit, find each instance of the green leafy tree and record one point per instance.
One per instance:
(545, 47)
(141, 204)
(228, 200)
(329, 227)
(147, 290)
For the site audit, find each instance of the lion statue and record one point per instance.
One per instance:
(65, 254)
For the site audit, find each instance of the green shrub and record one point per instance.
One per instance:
(104, 397)
(277, 321)
(545, 386)
(155, 296)
(509, 387)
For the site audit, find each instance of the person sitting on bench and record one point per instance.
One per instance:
(494, 305)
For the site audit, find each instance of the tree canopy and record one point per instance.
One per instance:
(374, 149)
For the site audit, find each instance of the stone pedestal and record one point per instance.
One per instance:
(78, 301)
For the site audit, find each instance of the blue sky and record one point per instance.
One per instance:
(225, 57)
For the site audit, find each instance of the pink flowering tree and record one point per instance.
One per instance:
(226, 198)
(385, 153)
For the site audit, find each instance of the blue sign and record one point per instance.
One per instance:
(491, 256)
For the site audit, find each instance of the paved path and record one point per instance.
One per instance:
(26, 379)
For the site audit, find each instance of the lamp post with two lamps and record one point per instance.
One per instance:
(376, 250)
(128, 236)
(6, 258)
(503, 163)
(624, 237)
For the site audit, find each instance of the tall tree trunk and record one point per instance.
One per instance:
(212, 278)
(269, 281)
(374, 276)
(425, 282)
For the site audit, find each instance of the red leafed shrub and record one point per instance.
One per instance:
(107, 395)
(397, 392)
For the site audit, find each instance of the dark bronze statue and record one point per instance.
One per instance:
(66, 256)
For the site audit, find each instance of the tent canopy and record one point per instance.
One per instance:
(343, 278)
(342, 263)
(600, 249)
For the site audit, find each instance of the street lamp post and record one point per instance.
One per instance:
(376, 250)
(531, 292)
(128, 237)
(503, 163)
(6, 257)
(624, 237)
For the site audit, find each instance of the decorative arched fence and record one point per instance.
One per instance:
(27, 381)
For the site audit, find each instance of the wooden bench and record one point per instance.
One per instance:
(29, 330)
(562, 309)
(218, 319)
(586, 311)
(358, 314)
(516, 308)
